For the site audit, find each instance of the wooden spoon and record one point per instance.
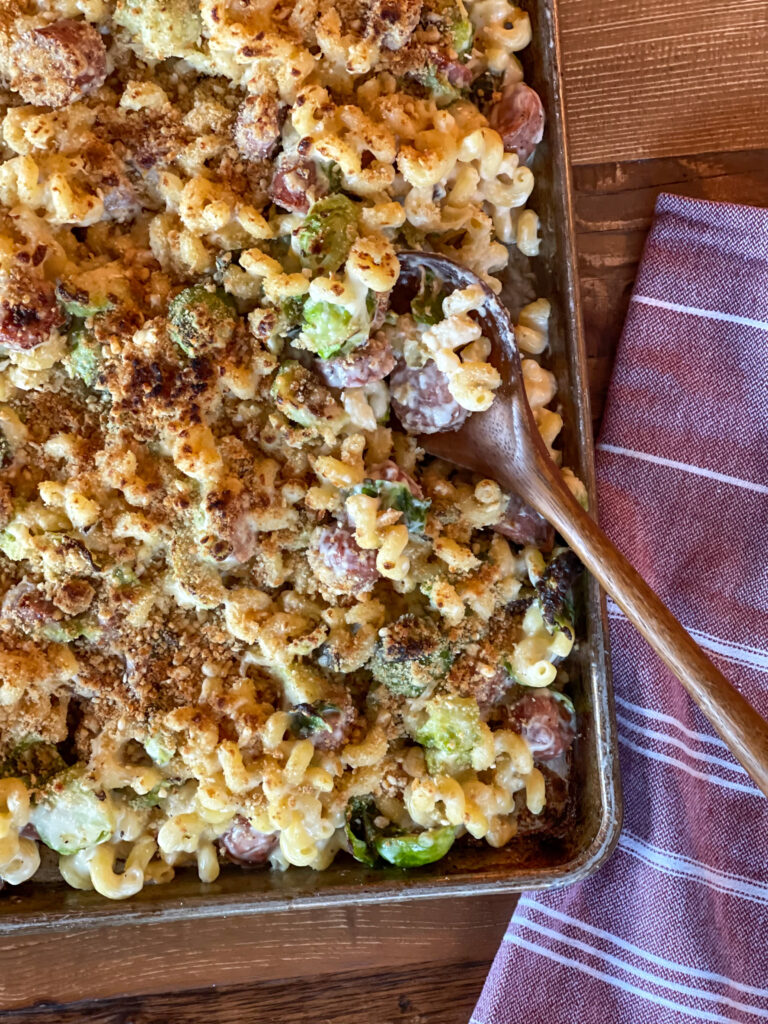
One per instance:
(504, 444)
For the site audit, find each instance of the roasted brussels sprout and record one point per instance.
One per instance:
(368, 843)
(201, 320)
(411, 656)
(397, 496)
(451, 731)
(81, 304)
(327, 234)
(555, 591)
(416, 848)
(330, 330)
(33, 760)
(84, 358)
(69, 815)
(302, 398)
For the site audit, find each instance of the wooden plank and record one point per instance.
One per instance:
(614, 206)
(420, 994)
(653, 78)
(106, 963)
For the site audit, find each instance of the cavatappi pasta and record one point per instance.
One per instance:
(244, 617)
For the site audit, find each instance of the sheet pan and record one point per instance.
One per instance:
(533, 862)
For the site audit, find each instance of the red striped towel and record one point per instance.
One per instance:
(674, 929)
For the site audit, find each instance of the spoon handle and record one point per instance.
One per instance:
(734, 719)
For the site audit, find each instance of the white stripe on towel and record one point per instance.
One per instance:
(708, 314)
(709, 474)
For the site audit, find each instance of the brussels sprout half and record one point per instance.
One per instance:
(84, 358)
(451, 731)
(70, 816)
(367, 843)
(330, 330)
(80, 303)
(200, 319)
(327, 234)
(301, 397)
(417, 848)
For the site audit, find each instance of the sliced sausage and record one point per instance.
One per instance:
(460, 74)
(295, 184)
(58, 64)
(342, 562)
(342, 725)
(518, 117)
(553, 819)
(490, 690)
(257, 127)
(524, 525)
(25, 605)
(364, 365)
(390, 471)
(545, 723)
(107, 174)
(245, 845)
(340, 722)
(422, 401)
(231, 516)
(28, 309)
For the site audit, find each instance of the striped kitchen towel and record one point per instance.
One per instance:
(674, 929)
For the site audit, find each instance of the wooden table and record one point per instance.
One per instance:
(662, 95)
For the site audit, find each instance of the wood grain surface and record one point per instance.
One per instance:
(653, 78)
(418, 994)
(614, 204)
(280, 948)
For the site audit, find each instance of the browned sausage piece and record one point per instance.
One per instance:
(58, 64)
(106, 173)
(257, 127)
(524, 525)
(351, 568)
(25, 605)
(518, 117)
(340, 723)
(364, 365)
(554, 813)
(390, 471)
(421, 399)
(547, 724)
(244, 845)
(295, 184)
(28, 309)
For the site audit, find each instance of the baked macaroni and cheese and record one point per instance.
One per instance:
(244, 616)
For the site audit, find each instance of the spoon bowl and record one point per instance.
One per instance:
(504, 443)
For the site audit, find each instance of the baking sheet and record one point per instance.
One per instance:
(532, 862)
